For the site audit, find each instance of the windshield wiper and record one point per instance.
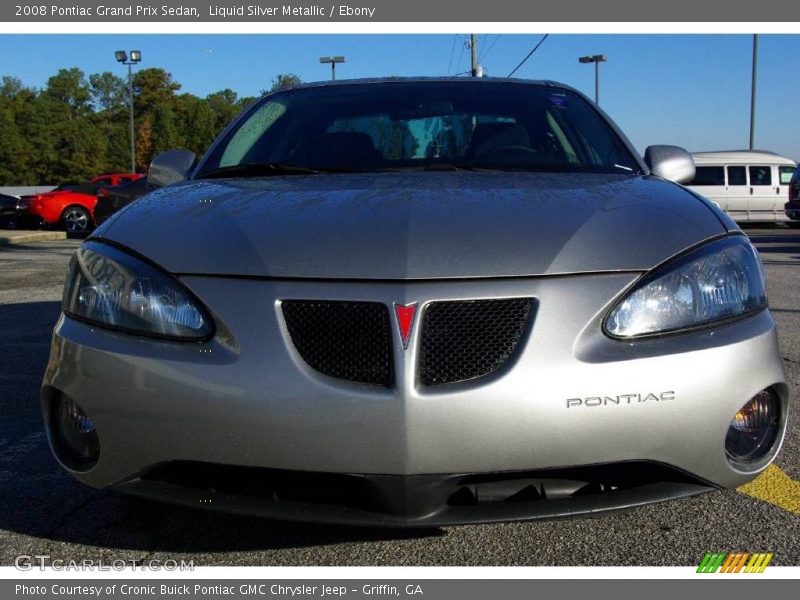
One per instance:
(259, 170)
(430, 167)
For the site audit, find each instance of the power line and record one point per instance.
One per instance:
(489, 49)
(535, 48)
(491, 46)
(461, 56)
(452, 52)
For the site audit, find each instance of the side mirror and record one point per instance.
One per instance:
(670, 162)
(170, 167)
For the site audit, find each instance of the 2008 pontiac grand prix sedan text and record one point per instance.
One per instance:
(415, 302)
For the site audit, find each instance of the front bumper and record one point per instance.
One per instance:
(245, 399)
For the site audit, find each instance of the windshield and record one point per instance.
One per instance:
(420, 125)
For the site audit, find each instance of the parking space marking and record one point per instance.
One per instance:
(776, 487)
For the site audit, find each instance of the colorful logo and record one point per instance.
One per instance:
(734, 562)
(405, 320)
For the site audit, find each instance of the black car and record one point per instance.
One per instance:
(113, 198)
(10, 209)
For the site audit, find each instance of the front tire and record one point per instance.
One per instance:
(76, 219)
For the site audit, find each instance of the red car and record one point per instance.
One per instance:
(72, 207)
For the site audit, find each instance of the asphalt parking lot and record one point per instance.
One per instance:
(44, 511)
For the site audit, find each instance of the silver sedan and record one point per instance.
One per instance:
(414, 302)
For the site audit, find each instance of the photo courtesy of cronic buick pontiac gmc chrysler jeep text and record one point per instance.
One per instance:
(409, 302)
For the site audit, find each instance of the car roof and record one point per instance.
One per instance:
(104, 175)
(420, 79)
(742, 156)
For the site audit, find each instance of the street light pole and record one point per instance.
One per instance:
(131, 133)
(753, 92)
(332, 60)
(596, 59)
(134, 58)
(597, 82)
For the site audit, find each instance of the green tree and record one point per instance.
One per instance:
(225, 106)
(19, 159)
(283, 80)
(197, 121)
(10, 87)
(76, 127)
(108, 91)
(71, 148)
(153, 88)
(69, 89)
(165, 131)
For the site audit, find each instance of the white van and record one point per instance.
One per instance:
(750, 185)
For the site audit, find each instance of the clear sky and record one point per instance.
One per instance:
(688, 90)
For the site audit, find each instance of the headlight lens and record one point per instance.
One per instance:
(720, 280)
(111, 288)
(22, 205)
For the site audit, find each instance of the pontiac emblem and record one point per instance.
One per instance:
(405, 320)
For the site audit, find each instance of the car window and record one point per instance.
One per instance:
(247, 135)
(760, 175)
(88, 187)
(709, 176)
(406, 125)
(737, 176)
(785, 174)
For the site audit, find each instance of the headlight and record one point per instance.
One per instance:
(22, 205)
(113, 289)
(718, 281)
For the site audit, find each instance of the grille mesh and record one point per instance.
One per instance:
(463, 340)
(346, 340)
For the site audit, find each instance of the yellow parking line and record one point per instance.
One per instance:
(776, 487)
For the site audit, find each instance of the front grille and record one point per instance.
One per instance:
(346, 340)
(465, 340)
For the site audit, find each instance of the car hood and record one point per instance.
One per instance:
(413, 225)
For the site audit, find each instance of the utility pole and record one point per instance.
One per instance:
(473, 49)
(753, 92)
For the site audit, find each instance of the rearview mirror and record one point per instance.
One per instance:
(170, 167)
(670, 162)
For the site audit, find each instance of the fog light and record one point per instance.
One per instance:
(74, 432)
(754, 428)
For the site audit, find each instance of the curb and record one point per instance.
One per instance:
(33, 236)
